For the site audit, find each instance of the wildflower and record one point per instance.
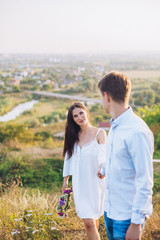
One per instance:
(62, 202)
(48, 214)
(28, 215)
(60, 214)
(15, 232)
(35, 231)
(16, 219)
(68, 190)
(53, 228)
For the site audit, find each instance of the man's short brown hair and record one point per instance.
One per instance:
(117, 85)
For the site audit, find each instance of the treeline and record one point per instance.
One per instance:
(151, 115)
(24, 132)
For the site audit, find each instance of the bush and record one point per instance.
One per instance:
(152, 117)
(41, 173)
(51, 118)
(42, 135)
(14, 132)
(32, 123)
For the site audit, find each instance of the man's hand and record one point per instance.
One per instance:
(133, 232)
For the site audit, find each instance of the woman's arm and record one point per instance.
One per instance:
(101, 139)
(65, 183)
(67, 171)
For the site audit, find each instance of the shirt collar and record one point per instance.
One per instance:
(121, 118)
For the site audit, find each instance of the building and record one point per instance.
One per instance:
(104, 125)
(15, 82)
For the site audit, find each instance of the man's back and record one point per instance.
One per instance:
(128, 168)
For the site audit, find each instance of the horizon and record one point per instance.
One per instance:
(105, 53)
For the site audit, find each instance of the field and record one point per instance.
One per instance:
(31, 165)
(150, 74)
(31, 213)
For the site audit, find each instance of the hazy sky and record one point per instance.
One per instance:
(75, 26)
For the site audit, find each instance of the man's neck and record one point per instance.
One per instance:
(117, 109)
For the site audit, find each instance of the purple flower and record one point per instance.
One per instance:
(60, 214)
(66, 191)
(61, 202)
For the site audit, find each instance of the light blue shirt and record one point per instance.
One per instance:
(128, 169)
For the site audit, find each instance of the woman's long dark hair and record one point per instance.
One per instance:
(72, 129)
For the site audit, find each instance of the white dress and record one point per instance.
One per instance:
(88, 189)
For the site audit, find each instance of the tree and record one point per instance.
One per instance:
(150, 98)
(152, 117)
(16, 89)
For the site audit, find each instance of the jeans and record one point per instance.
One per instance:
(116, 229)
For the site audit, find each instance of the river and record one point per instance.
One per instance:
(16, 111)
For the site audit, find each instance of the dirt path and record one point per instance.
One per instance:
(37, 152)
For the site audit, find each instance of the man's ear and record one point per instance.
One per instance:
(107, 96)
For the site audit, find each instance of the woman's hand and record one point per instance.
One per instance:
(65, 184)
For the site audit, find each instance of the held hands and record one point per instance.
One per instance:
(99, 173)
(133, 232)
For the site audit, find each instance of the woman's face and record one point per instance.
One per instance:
(80, 116)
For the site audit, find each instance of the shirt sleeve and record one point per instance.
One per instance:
(67, 166)
(141, 148)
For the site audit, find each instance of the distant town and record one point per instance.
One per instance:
(79, 74)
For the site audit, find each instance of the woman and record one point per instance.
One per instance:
(84, 151)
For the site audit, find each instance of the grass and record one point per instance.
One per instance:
(43, 173)
(31, 214)
(8, 102)
(143, 74)
(152, 228)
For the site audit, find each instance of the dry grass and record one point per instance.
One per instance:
(152, 228)
(143, 74)
(16, 204)
(27, 214)
(38, 152)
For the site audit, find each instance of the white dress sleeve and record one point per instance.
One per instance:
(67, 167)
(101, 154)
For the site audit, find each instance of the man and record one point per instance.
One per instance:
(128, 168)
